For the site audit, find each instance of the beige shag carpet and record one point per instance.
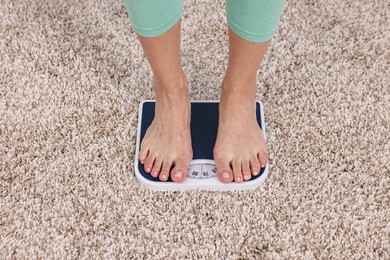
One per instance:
(72, 75)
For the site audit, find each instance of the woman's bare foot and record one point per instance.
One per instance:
(167, 142)
(240, 150)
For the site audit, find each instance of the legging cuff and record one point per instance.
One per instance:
(153, 32)
(250, 36)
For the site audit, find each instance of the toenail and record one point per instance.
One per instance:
(262, 166)
(255, 173)
(164, 176)
(246, 177)
(154, 174)
(225, 175)
(147, 169)
(238, 178)
(178, 174)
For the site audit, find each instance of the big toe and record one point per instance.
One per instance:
(224, 171)
(180, 171)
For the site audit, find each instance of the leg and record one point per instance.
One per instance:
(167, 142)
(240, 150)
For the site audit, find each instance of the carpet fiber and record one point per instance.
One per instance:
(72, 74)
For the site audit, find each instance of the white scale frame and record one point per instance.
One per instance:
(207, 179)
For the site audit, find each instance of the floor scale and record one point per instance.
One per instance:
(202, 173)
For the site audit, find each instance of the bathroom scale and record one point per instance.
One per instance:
(202, 173)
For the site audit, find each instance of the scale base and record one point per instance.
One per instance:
(202, 171)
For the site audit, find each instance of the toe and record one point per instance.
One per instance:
(166, 168)
(237, 171)
(263, 157)
(255, 165)
(156, 168)
(149, 162)
(224, 171)
(143, 153)
(180, 171)
(246, 171)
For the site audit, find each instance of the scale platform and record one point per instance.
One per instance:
(202, 173)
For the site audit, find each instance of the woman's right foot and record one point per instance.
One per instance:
(167, 142)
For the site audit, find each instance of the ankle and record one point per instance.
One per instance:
(238, 97)
(238, 93)
(240, 88)
(237, 78)
(171, 85)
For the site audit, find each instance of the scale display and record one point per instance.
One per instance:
(202, 169)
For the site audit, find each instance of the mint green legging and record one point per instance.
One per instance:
(253, 20)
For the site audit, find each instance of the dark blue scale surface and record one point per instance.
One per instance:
(204, 127)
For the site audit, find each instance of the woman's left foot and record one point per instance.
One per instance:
(240, 150)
